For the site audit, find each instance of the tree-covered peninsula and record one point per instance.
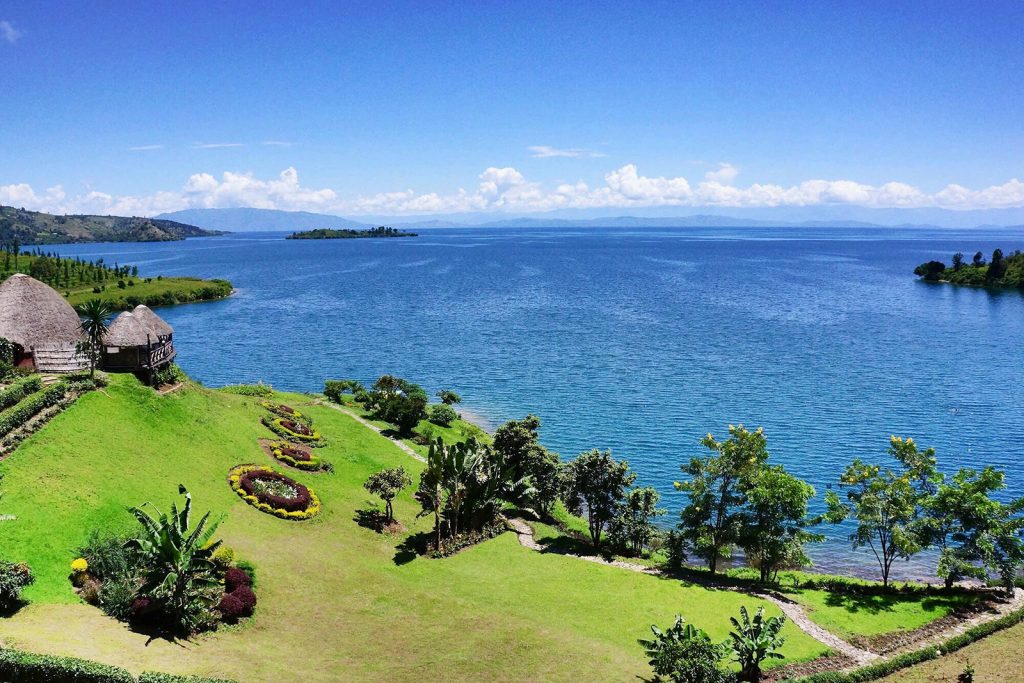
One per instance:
(1001, 271)
(329, 234)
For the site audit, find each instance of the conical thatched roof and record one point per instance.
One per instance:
(128, 330)
(34, 314)
(155, 323)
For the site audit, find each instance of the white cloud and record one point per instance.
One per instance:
(216, 145)
(145, 148)
(725, 174)
(9, 33)
(507, 190)
(546, 152)
(277, 143)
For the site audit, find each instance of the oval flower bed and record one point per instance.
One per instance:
(273, 492)
(294, 456)
(293, 430)
(285, 411)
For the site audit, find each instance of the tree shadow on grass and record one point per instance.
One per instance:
(872, 604)
(370, 518)
(11, 610)
(411, 547)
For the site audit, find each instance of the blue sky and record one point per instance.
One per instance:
(516, 107)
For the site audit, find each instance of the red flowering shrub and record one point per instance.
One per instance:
(231, 608)
(298, 502)
(246, 597)
(295, 453)
(233, 578)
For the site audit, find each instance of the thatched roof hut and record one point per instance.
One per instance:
(32, 314)
(153, 321)
(128, 330)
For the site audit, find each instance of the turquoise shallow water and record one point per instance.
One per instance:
(636, 340)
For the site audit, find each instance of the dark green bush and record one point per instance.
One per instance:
(152, 677)
(107, 555)
(19, 414)
(117, 596)
(443, 415)
(19, 390)
(26, 667)
(14, 576)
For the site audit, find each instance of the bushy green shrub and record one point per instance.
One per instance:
(19, 414)
(117, 596)
(107, 555)
(443, 415)
(19, 390)
(334, 388)
(152, 677)
(261, 390)
(26, 667)
(14, 576)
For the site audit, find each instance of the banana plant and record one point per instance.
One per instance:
(179, 574)
(754, 641)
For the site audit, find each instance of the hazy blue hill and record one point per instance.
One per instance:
(261, 220)
(34, 227)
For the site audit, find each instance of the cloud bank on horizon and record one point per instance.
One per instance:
(507, 191)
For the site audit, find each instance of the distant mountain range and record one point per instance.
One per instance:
(33, 227)
(269, 220)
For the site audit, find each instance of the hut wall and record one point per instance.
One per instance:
(59, 358)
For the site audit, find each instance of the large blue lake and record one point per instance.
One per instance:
(636, 340)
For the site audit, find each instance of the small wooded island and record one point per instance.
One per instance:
(329, 234)
(1000, 272)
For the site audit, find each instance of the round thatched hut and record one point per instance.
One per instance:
(43, 326)
(139, 341)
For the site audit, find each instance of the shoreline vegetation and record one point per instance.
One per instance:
(330, 234)
(999, 272)
(122, 287)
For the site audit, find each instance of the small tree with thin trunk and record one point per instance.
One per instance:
(386, 485)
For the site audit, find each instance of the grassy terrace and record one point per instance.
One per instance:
(183, 289)
(336, 601)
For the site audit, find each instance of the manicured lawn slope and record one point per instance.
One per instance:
(853, 615)
(336, 601)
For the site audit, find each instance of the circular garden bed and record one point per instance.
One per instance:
(293, 455)
(294, 430)
(273, 492)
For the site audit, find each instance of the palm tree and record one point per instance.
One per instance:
(94, 313)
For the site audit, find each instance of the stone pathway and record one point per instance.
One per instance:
(404, 446)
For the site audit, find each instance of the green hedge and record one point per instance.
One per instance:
(908, 659)
(19, 390)
(27, 667)
(19, 414)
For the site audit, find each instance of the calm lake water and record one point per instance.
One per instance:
(636, 340)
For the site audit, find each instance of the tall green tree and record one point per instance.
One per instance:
(95, 314)
(887, 503)
(518, 441)
(595, 485)
(977, 535)
(775, 526)
(712, 521)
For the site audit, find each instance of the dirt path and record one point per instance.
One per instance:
(404, 446)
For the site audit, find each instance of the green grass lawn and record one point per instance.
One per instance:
(336, 601)
(996, 659)
(868, 615)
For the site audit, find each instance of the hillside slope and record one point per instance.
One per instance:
(261, 220)
(34, 227)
